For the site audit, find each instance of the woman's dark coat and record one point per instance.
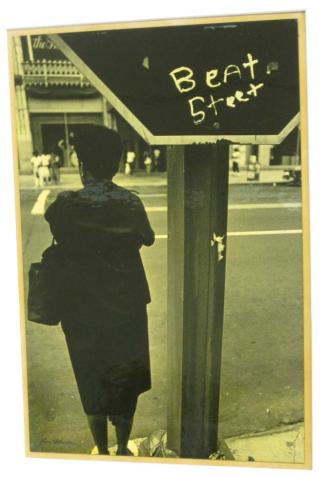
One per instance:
(100, 230)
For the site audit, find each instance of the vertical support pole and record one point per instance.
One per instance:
(297, 147)
(175, 305)
(67, 149)
(104, 112)
(23, 127)
(30, 48)
(137, 154)
(197, 216)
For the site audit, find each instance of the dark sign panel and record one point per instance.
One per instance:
(233, 79)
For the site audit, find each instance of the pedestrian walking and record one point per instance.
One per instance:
(148, 162)
(44, 169)
(65, 150)
(257, 169)
(60, 151)
(156, 159)
(130, 162)
(36, 162)
(251, 168)
(236, 161)
(55, 168)
(73, 156)
(100, 229)
(235, 166)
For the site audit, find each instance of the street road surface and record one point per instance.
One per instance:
(262, 367)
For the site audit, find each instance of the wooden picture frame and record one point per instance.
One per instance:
(51, 94)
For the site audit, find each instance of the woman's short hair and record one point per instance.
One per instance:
(99, 149)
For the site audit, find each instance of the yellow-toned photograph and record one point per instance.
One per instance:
(163, 240)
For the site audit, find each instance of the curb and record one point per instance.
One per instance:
(280, 445)
(72, 181)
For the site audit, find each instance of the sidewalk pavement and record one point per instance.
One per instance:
(277, 446)
(283, 445)
(70, 179)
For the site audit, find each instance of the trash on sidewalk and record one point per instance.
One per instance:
(155, 445)
(223, 452)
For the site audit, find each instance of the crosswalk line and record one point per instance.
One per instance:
(264, 232)
(277, 205)
(39, 206)
(288, 205)
(249, 233)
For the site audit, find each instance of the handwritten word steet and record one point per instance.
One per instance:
(184, 81)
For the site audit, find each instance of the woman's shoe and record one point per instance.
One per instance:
(125, 452)
(95, 451)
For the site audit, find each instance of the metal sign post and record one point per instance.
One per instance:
(197, 230)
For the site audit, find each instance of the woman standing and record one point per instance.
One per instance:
(100, 230)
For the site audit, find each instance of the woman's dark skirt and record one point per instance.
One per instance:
(110, 359)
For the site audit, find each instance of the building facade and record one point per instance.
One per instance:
(53, 99)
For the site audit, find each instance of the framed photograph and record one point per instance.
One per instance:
(163, 240)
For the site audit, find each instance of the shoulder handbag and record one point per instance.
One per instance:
(46, 288)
